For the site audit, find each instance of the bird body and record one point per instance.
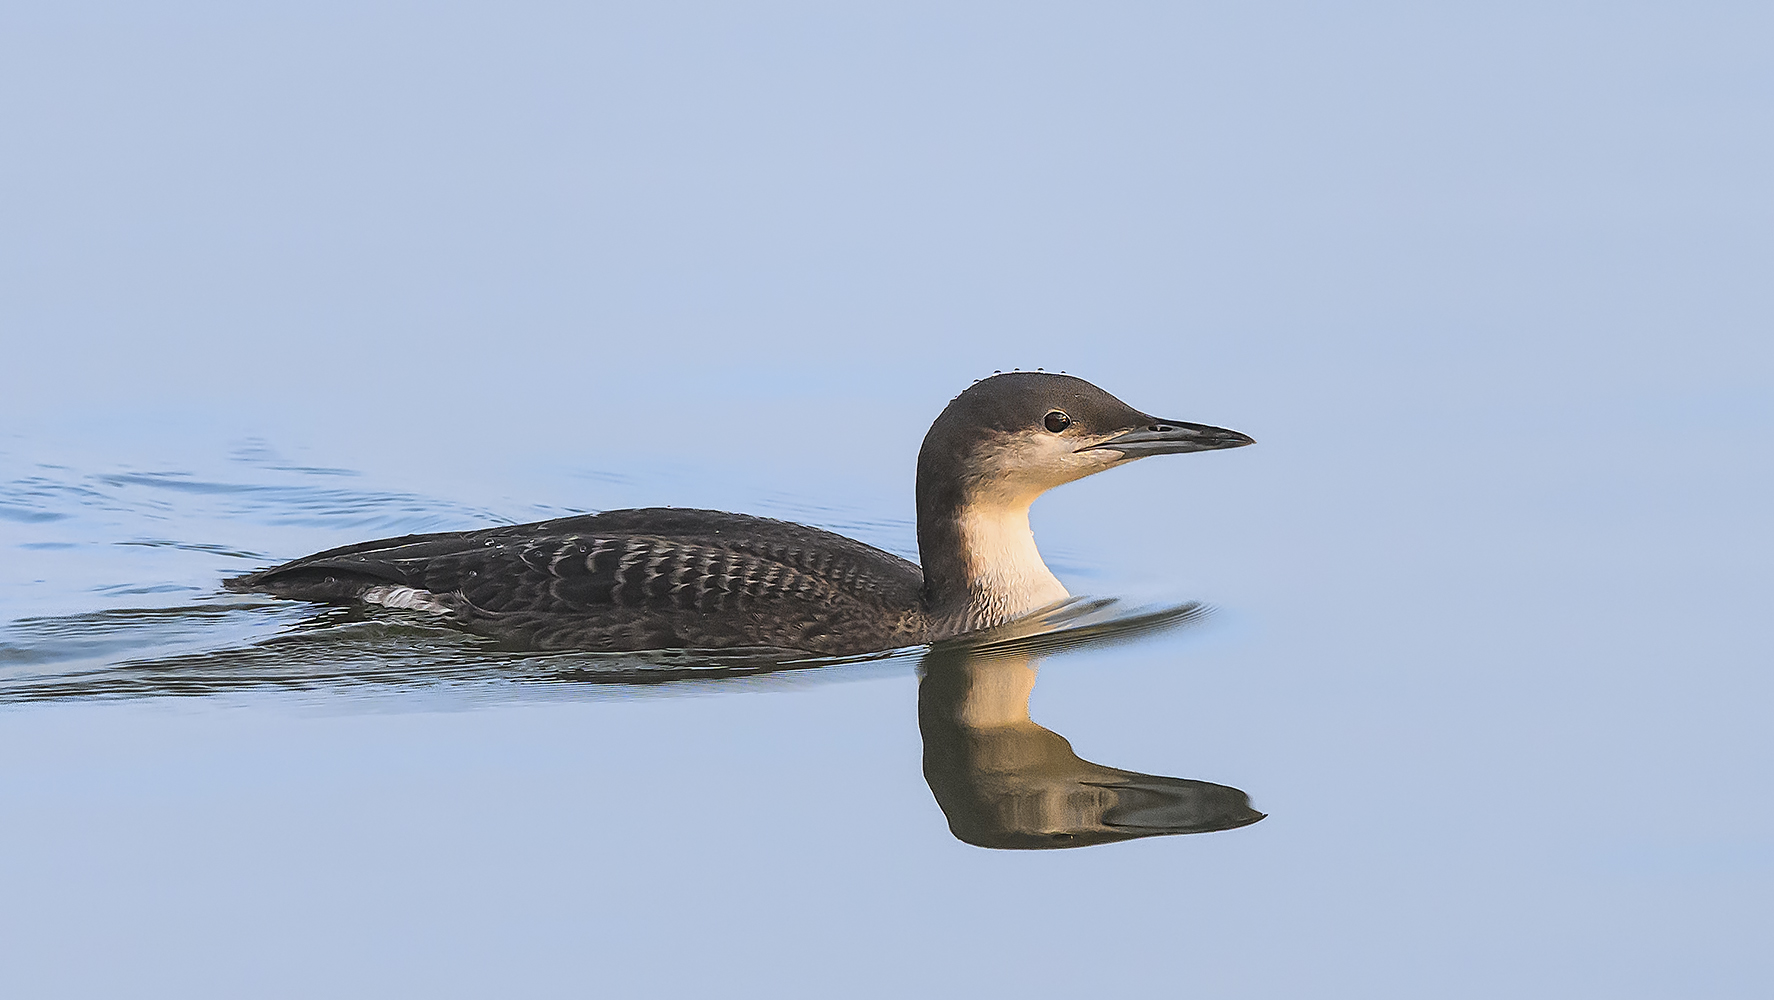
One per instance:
(659, 578)
(668, 578)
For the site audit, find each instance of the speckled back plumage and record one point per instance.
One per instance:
(656, 578)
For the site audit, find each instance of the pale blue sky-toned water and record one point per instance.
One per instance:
(1490, 286)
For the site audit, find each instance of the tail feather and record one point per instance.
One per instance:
(307, 580)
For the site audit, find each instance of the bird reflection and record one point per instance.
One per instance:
(1005, 782)
(1001, 780)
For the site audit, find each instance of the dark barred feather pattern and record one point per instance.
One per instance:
(636, 579)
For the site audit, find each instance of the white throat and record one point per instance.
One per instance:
(1003, 567)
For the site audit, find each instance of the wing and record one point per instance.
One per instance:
(635, 579)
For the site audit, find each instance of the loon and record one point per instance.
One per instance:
(668, 578)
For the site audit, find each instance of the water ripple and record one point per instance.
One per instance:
(199, 650)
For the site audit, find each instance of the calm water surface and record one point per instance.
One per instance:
(1449, 749)
(1487, 643)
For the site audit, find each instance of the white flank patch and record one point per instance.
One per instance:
(411, 598)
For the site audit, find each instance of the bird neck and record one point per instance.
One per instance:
(979, 557)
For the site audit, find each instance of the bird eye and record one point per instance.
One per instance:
(1057, 421)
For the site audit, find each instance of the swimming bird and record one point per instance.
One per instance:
(667, 578)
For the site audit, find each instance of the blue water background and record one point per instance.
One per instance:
(1489, 285)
